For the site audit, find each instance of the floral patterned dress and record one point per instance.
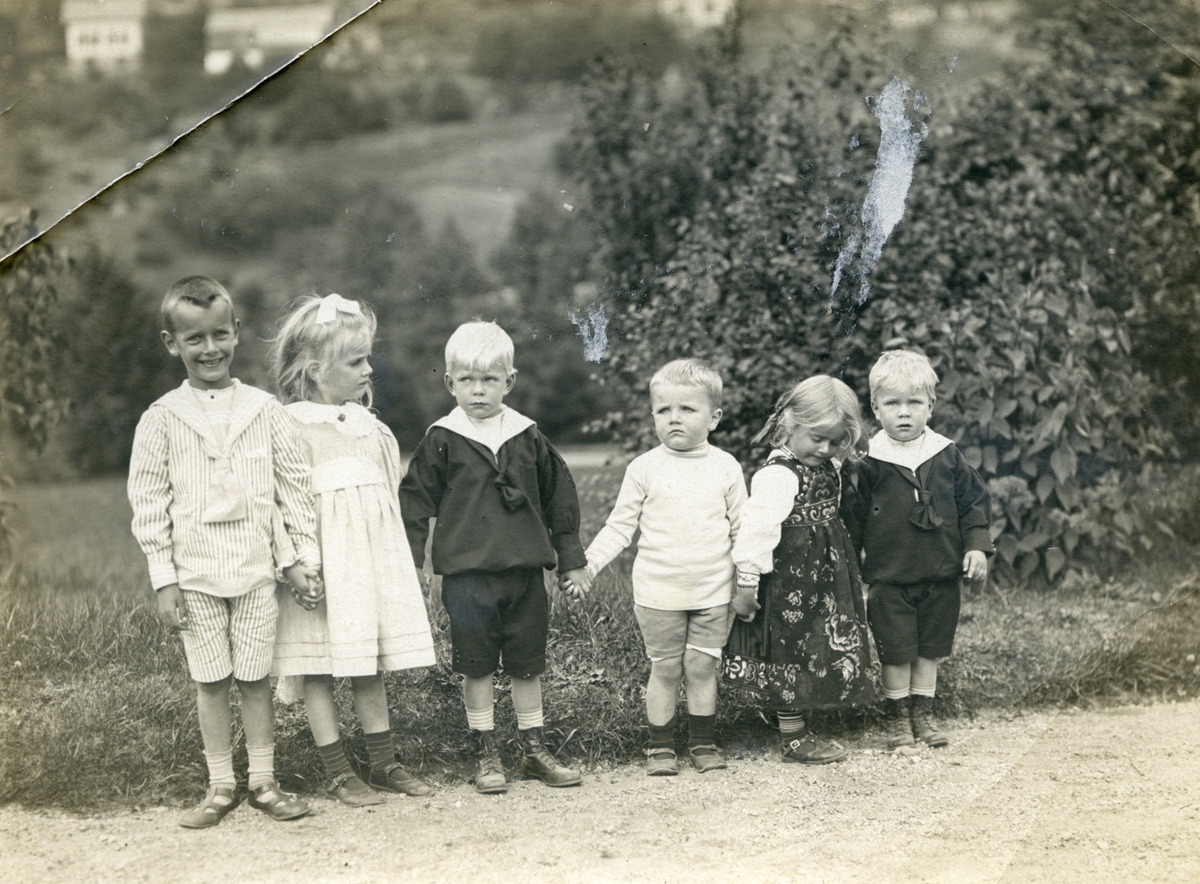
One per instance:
(807, 647)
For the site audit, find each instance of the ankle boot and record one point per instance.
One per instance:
(897, 725)
(923, 727)
(537, 762)
(489, 773)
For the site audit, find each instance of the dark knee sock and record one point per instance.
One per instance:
(333, 756)
(700, 730)
(662, 736)
(380, 749)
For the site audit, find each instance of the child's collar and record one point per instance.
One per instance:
(349, 418)
(247, 403)
(513, 424)
(885, 448)
(699, 451)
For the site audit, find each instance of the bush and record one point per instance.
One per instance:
(723, 206)
(113, 366)
(326, 109)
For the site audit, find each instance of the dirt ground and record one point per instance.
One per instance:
(1110, 795)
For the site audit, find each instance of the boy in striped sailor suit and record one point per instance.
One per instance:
(215, 473)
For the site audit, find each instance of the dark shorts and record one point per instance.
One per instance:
(494, 615)
(913, 620)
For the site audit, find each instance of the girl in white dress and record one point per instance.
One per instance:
(372, 617)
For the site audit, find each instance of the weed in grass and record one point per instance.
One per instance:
(1156, 657)
(98, 707)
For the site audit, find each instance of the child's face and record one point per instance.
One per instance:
(903, 413)
(347, 378)
(204, 338)
(813, 446)
(683, 415)
(480, 392)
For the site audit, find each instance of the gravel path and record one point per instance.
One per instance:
(1102, 796)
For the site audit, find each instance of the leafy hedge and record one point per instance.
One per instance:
(1048, 237)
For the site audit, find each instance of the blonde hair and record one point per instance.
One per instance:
(819, 401)
(903, 370)
(479, 345)
(199, 291)
(303, 346)
(691, 373)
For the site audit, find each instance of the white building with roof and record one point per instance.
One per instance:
(698, 14)
(105, 35)
(253, 35)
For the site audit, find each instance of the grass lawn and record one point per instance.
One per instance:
(96, 706)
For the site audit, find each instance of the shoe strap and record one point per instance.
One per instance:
(340, 780)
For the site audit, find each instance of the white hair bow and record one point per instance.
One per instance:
(332, 305)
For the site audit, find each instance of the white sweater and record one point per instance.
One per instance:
(687, 506)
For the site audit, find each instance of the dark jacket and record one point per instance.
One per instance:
(519, 510)
(914, 528)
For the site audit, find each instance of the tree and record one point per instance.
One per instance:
(546, 258)
(29, 406)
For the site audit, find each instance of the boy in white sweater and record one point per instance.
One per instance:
(686, 497)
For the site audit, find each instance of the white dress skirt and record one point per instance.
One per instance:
(373, 617)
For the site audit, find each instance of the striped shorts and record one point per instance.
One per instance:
(230, 635)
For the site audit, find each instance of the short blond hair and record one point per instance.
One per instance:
(198, 291)
(479, 345)
(903, 370)
(692, 373)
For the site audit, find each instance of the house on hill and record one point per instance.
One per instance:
(698, 15)
(253, 35)
(105, 35)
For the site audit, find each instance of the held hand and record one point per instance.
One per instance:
(316, 591)
(975, 566)
(576, 583)
(306, 584)
(172, 608)
(745, 603)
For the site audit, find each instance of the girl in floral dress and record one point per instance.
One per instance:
(372, 616)
(800, 638)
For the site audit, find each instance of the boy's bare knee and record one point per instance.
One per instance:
(258, 686)
(213, 688)
(670, 668)
(699, 664)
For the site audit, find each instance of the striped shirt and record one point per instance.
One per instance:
(205, 510)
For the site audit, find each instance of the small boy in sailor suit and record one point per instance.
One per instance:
(919, 513)
(506, 508)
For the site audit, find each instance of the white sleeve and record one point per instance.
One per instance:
(618, 531)
(735, 500)
(773, 490)
(150, 497)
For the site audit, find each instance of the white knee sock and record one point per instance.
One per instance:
(482, 719)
